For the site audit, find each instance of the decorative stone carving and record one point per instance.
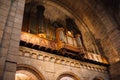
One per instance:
(39, 55)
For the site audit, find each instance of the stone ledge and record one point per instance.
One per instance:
(44, 56)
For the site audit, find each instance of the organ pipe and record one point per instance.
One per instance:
(40, 19)
(79, 42)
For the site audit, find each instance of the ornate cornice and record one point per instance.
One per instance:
(44, 56)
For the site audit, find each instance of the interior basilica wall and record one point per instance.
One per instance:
(99, 22)
(52, 66)
(102, 27)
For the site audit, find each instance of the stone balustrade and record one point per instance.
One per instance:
(96, 57)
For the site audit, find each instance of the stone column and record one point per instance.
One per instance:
(10, 40)
(4, 11)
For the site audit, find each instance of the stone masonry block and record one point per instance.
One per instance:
(19, 13)
(1, 33)
(11, 58)
(2, 60)
(5, 43)
(16, 31)
(9, 75)
(2, 26)
(3, 12)
(10, 23)
(10, 67)
(13, 49)
(6, 36)
(3, 51)
(15, 3)
(12, 13)
(20, 4)
(14, 43)
(16, 37)
(11, 18)
(5, 6)
(8, 29)
(17, 20)
(3, 19)
(1, 69)
(18, 26)
(13, 52)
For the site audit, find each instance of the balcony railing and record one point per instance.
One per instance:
(71, 50)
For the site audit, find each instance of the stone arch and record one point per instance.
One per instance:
(98, 78)
(81, 24)
(68, 12)
(29, 71)
(68, 75)
(64, 9)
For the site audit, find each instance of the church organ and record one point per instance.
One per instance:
(55, 37)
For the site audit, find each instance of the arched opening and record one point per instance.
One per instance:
(68, 76)
(98, 78)
(26, 72)
(48, 28)
(25, 75)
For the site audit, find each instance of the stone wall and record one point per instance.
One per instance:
(52, 66)
(114, 70)
(95, 17)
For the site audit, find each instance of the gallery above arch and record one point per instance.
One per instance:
(49, 28)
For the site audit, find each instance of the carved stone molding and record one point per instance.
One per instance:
(44, 56)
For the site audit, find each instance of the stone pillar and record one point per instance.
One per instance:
(4, 11)
(40, 19)
(11, 37)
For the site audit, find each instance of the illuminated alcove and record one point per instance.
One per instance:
(27, 72)
(68, 76)
(25, 75)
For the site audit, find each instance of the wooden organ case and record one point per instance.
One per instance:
(64, 44)
(68, 45)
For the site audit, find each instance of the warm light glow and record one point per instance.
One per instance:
(69, 33)
(20, 76)
(117, 59)
(67, 78)
(42, 35)
(25, 75)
